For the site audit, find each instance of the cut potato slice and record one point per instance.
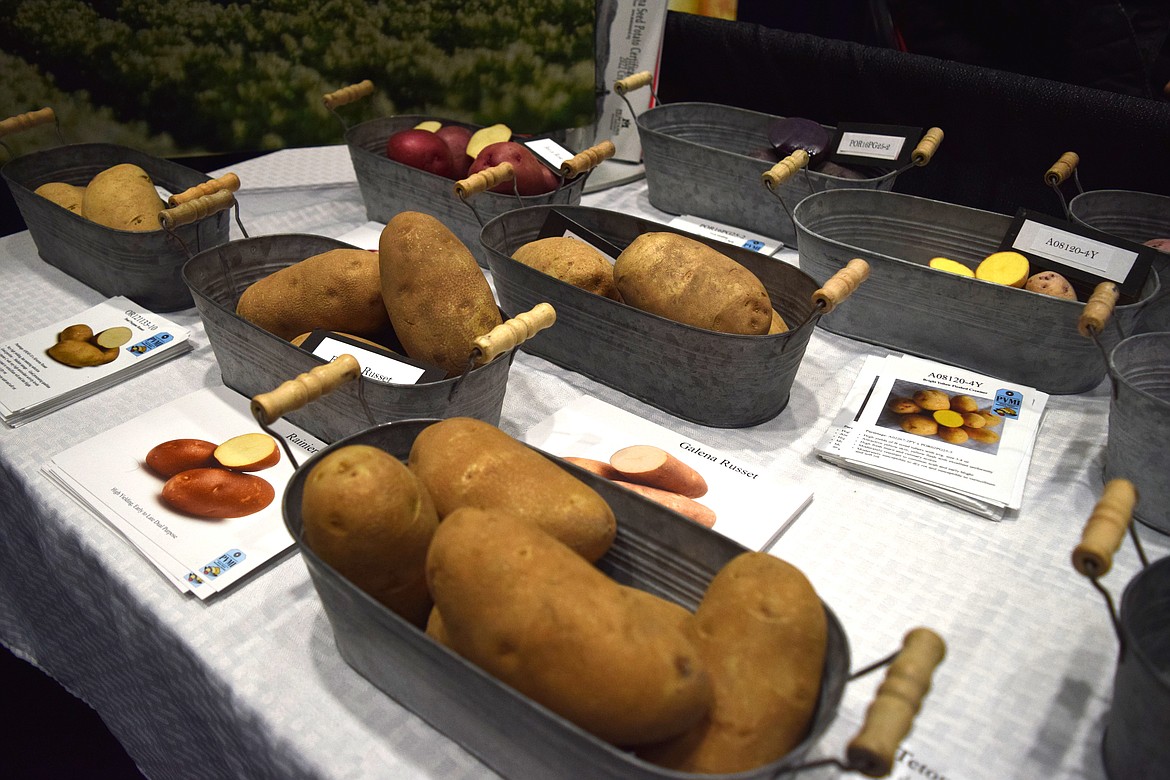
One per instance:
(429, 125)
(486, 136)
(248, 452)
(112, 338)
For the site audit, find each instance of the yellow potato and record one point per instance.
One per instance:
(950, 266)
(123, 197)
(1010, 268)
(67, 196)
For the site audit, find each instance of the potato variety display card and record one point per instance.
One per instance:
(722, 492)
(54, 366)
(959, 436)
(195, 485)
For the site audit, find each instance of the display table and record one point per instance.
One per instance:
(251, 685)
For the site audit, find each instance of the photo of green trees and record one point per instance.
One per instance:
(175, 77)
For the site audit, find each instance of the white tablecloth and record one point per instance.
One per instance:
(250, 685)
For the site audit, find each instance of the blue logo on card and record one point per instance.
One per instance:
(154, 342)
(1008, 403)
(223, 563)
(753, 244)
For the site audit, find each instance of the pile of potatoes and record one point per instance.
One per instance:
(663, 273)
(489, 546)
(1013, 270)
(422, 292)
(122, 196)
(956, 419)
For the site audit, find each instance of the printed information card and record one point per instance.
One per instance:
(56, 365)
(960, 436)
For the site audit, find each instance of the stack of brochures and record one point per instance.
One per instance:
(729, 494)
(159, 481)
(954, 434)
(54, 366)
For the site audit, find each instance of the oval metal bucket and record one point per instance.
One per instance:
(254, 361)
(1137, 732)
(716, 379)
(1139, 424)
(702, 159)
(655, 550)
(905, 305)
(1138, 217)
(389, 187)
(143, 266)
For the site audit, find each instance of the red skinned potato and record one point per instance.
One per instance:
(1161, 244)
(456, 138)
(420, 149)
(532, 176)
(217, 493)
(171, 457)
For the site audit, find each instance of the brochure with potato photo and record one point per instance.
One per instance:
(951, 433)
(716, 490)
(194, 485)
(56, 365)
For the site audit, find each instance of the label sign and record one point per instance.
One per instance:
(550, 151)
(1085, 255)
(883, 146)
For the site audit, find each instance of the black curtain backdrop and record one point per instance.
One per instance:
(1002, 130)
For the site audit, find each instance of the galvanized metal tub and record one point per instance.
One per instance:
(699, 161)
(389, 187)
(254, 361)
(1139, 424)
(1137, 217)
(143, 266)
(1135, 743)
(655, 550)
(905, 305)
(716, 379)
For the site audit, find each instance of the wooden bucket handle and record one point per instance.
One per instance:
(633, 81)
(841, 284)
(898, 699)
(484, 180)
(785, 169)
(513, 332)
(926, 147)
(347, 95)
(26, 121)
(304, 388)
(1059, 172)
(588, 159)
(1105, 529)
(229, 182)
(197, 209)
(324, 379)
(1098, 309)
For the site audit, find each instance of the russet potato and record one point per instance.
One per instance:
(762, 634)
(690, 282)
(572, 261)
(533, 613)
(434, 291)
(369, 517)
(338, 290)
(463, 461)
